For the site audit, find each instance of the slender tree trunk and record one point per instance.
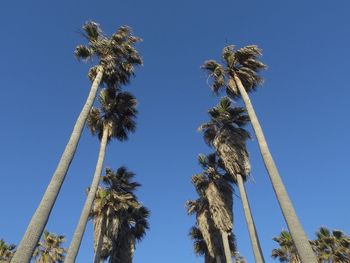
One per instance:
(258, 255)
(299, 237)
(80, 229)
(97, 257)
(38, 222)
(218, 259)
(226, 247)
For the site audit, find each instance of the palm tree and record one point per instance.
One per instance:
(201, 249)
(49, 250)
(226, 133)
(205, 224)
(133, 226)
(287, 251)
(6, 251)
(332, 246)
(116, 58)
(218, 191)
(115, 119)
(239, 76)
(111, 202)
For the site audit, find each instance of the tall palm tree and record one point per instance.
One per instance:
(116, 58)
(287, 251)
(110, 204)
(239, 76)
(114, 119)
(133, 226)
(6, 251)
(218, 191)
(226, 133)
(49, 250)
(332, 246)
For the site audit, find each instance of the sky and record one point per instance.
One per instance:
(302, 106)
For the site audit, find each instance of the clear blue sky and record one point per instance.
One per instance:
(303, 107)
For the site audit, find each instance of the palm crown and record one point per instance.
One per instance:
(117, 54)
(126, 218)
(117, 195)
(215, 174)
(243, 63)
(117, 112)
(332, 246)
(49, 250)
(225, 131)
(6, 251)
(225, 117)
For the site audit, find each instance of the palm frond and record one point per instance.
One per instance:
(83, 52)
(92, 30)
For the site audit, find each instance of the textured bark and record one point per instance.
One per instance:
(299, 237)
(80, 229)
(39, 220)
(258, 255)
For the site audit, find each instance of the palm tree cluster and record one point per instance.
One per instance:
(329, 247)
(121, 219)
(238, 75)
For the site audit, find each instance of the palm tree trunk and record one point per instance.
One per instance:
(97, 257)
(226, 247)
(218, 259)
(258, 255)
(80, 229)
(299, 237)
(39, 220)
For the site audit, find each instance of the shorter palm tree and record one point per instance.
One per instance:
(49, 249)
(287, 251)
(200, 247)
(332, 246)
(213, 210)
(204, 222)
(238, 74)
(111, 204)
(218, 191)
(6, 251)
(132, 229)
